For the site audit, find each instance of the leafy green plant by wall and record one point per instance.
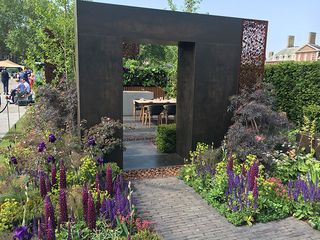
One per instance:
(147, 75)
(166, 138)
(296, 86)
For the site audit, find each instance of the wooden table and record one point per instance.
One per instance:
(145, 102)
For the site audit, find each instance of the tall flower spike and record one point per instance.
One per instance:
(230, 165)
(63, 206)
(48, 183)
(50, 230)
(255, 193)
(43, 189)
(40, 236)
(91, 213)
(85, 201)
(63, 180)
(97, 182)
(53, 174)
(69, 231)
(49, 212)
(98, 203)
(109, 180)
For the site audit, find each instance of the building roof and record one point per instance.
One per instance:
(314, 46)
(284, 52)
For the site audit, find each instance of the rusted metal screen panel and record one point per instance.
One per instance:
(254, 38)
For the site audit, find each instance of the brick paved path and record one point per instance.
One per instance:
(180, 213)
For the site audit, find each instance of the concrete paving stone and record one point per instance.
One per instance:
(180, 213)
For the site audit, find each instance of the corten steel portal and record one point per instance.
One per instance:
(210, 53)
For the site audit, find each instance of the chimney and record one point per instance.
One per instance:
(270, 54)
(312, 38)
(290, 41)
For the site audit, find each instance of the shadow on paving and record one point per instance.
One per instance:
(140, 151)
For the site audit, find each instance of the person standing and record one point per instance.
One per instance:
(5, 81)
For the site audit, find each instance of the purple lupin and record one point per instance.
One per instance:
(48, 183)
(43, 189)
(109, 180)
(91, 213)
(53, 174)
(49, 212)
(63, 206)
(40, 237)
(63, 179)
(255, 193)
(50, 230)
(98, 203)
(85, 201)
(97, 181)
(69, 231)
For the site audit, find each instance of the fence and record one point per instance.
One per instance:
(157, 91)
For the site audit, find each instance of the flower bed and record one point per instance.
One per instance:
(80, 197)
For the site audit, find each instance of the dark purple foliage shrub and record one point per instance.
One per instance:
(63, 206)
(103, 137)
(85, 201)
(63, 179)
(60, 104)
(257, 128)
(91, 217)
(109, 180)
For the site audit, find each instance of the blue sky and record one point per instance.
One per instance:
(285, 17)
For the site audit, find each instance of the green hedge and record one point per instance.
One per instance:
(166, 138)
(145, 75)
(297, 85)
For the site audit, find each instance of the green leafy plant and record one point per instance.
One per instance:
(166, 138)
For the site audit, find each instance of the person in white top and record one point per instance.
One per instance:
(27, 86)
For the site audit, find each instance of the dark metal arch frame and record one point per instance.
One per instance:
(216, 56)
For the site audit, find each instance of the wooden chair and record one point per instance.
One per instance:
(169, 110)
(136, 107)
(153, 110)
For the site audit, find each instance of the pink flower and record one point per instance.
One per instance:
(259, 138)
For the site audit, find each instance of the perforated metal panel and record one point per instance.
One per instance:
(254, 38)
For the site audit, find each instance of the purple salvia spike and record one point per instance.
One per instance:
(63, 179)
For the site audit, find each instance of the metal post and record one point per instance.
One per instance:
(18, 110)
(8, 117)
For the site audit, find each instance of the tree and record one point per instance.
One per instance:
(44, 33)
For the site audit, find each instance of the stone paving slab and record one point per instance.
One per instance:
(180, 213)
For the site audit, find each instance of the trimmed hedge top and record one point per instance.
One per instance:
(297, 85)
